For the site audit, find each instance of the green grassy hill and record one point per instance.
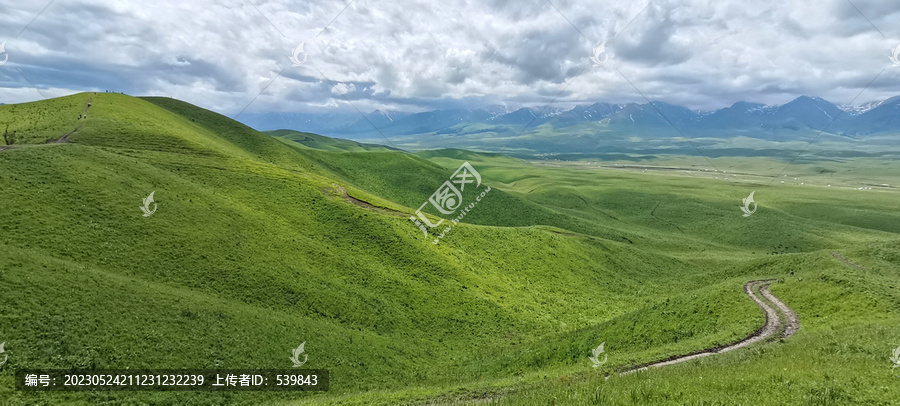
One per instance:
(43, 121)
(317, 141)
(254, 249)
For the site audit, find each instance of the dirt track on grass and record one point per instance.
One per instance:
(64, 139)
(791, 322)
(362, 203)
(786, 323)
(772, 326)
(839, 257)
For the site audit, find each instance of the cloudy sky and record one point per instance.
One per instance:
(235, 55)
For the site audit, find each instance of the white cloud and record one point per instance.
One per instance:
(342, 88)
(428, 54)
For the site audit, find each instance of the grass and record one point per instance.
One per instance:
(252, 252)
(316, 141)
(38, 122)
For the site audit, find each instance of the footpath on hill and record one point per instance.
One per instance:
(774, 323)
(779, 319)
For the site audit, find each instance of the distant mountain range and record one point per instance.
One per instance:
(803, 114)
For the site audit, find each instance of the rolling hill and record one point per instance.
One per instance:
(262, 242)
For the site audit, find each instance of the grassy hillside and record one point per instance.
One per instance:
(317, 141)
(255, 249)
(39, 122)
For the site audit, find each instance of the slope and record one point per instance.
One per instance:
(249, 254)
(316, 141)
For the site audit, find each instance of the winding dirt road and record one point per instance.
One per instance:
(791, 322)
(779, 319)
(772, 326)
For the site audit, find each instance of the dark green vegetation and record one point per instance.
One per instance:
(254, 249)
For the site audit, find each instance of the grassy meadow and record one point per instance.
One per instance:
(255, 249)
